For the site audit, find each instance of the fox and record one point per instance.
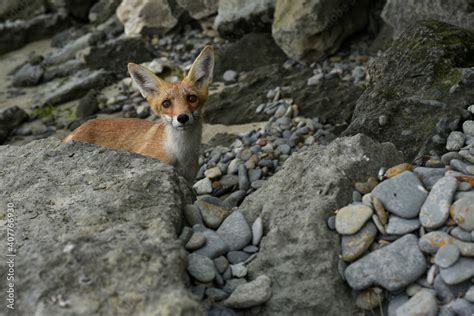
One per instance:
(176, 138)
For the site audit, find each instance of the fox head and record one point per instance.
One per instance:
(177, 102)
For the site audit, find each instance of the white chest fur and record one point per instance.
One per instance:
(182, 147)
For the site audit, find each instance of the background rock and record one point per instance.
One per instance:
(199, 9)
(9, 119)
(316, 28)
(95, 227)
(410, 85)
(298, 252)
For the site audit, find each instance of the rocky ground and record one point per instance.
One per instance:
(336, 173)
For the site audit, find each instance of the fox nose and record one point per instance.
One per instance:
(183, 118)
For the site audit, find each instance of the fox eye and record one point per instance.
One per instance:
(166, 103)
(192, 98)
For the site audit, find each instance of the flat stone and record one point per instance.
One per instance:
(197, 241)
(214, 246)
(435, 210)
(251, 249)
(250, 294)
(447, 255)
(429, 176)
(213, 173)
(401, 226)
(402, 195)
(235, 231)
(395, 302)
(353, 246)
(455, 141)
(203, 186)
(422, 303)
(201, 268)
(350, 219)
(432, 241)
(395, 170)
(461, 271)
(462, 211)
(237, 256)
(461, 234)
(391, 267)
(192, 215)
(257, 231)
(221, 264)
(213, 211)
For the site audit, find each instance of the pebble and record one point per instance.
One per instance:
(216, 294)
(447, 255)
(214, 246)
(379, 225)
(235, 257)
(468, 128)
(314, 80)
(422, 303)
(350, 219)
(462, 307)
(221, 264)
(227, 274)
(462, 211)
(401, 226)
(395, 303)
(257, 231)
(446, 158)
(203, 186)
(234, 199)
(197, 241)
(429, 176)
(244, 183)
(387, 267)
(239, 270)
(380, 210)
(250, 294)
(201, 268)
(369, 299)
(198, 291)
(192, 215)
(185, 235)
(232, 284)
(435, 210)
(455, 141)
(255, 174)
(395, 170)
(213, 211)
(431, 242)
(459, 165)
(331, 221)
(470, 294)
(213, 173)
(251, 249)
(462, 270)
(461, 234)
(413, 289)
(366, 187)
(230, 76)
(353, 246)
(235, 231)
(233, 167)
(402, 195)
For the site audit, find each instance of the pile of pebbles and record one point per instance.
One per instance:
(221, 243)
(235, 171)
(351, 68)
(407, 239)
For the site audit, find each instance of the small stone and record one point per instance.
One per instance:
(185, 235)
(198, 291)
(213, 211)
(395, 303)
(447, 255)
(402, 195)
(203, 186)
(201, 268)
(413, 289)
(383, 120)
(462, 211)
(462, 307)
(461, 271)
(245, 154)
(234, 199)
(255, 174)
(257, 231)
(429, 176)
(470, 294)
(422, 303)
(213, 173)
(455, 141)
(468, 128)
(314, 80)
(461, 234)
(392, 172)
(380, 210)
(227, 274)
(388, 266)
(192, 215)
(244, 182)
(369, 299)
(234, 166)
(435, 210)
(446, 158)
(285, 149)
(251, 249)
(356, 196)
(401, 226)
(332, 222)
(197, 241)
(221, 264)
(232, 284)
(379, 225)
(214, 246)
(432, 241)
(350, 219)
(366, 187)
(250, 294)
(353, 246)
(235, 257)
(239, 270)
(235, 231)
(216, 294)
(230, 76)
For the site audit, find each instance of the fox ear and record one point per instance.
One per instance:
(200, 74)
(148, 83)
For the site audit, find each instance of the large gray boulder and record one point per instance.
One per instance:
(298, 251)
(418, 88)
(95, 231)
(402, 14)
(238, 17)
(316, 28)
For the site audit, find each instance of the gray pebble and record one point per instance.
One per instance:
(459, 165)
(250, 294)
(462, 270)
(235, 231)
(402, 195)
(462, 211)
(227, 274)
(250, 249)
(230, 76)
(257, 231)
(461, 234)
(185, 235)
(422, 303)
(232, 284)
(214, 247)
(216, 294)
(244, 183)
(192, 215)
(429, 176)
(401, 226)
(198, 291)
(395, 303)
(447, 255)
(239, 270)
(235, 257)
(234, 199)
(201, 267)
(455, 141)
(332, 222)
(470, 294)
(255, 174)
(468, 128)
(203, 186)
(462, 307)
(353, 246)
(197, 241)
(435, 210)
(213, 211)
(221, 264)
(356, 196)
